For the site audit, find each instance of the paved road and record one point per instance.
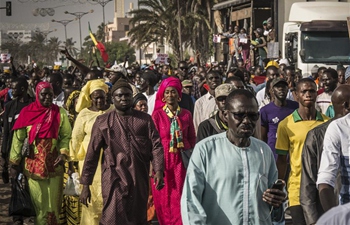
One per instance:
(5, 195)
(4, 202)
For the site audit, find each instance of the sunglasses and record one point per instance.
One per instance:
(250, 116)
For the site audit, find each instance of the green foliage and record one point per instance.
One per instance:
(46, 52)
(116, 52)
(157, 21)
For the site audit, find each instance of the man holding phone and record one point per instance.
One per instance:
(230, 175)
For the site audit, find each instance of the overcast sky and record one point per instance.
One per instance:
(22, 13)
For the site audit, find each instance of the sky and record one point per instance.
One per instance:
(22, 14)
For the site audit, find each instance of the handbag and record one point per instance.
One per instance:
(72, 186)
(186, 155)
(21, 203)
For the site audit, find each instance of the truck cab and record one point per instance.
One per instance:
(317, 34)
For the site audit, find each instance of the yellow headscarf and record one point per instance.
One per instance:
(84, 100)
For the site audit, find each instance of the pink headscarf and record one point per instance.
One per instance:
(169, 82)
(45, 121)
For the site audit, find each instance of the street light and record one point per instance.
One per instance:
(64, 23)
(103, 3)
(45, 33)
(78, 16)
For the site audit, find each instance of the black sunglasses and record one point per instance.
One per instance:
(251, 116)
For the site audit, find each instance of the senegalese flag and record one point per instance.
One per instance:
(99, 46)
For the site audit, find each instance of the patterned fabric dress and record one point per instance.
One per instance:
(167, 200)
(71, 208)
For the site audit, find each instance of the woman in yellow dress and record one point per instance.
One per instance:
(91, 103)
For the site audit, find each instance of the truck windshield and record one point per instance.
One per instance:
(325, 47)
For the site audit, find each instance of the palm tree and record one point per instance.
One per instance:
(198, 20)
(157, 20)
(70, 47)
(37, 47)
(53, 47)
(14, 47)
(154, 22)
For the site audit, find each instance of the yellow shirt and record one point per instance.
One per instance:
(291, 134)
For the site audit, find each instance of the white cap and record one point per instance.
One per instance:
(284, 61)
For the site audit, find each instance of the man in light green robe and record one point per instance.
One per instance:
(229, 174)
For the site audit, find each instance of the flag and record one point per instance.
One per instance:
(99, 46)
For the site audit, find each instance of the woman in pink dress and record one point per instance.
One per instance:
(175, 127)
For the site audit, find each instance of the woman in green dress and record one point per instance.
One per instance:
(46, 128)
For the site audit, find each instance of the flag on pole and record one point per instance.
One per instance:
(99, 46)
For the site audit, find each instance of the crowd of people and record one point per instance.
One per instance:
(126, 132)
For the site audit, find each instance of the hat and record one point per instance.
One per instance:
(314, 69)
(7, 71)
(278, 80)
(138, 97)
(269, 20)
(347, 73)
(284, 61)
(187, 83)
(306, 75)
(272, 63)
(265, 22)
(224, 90)
(56, 67)
(117, 68)
(119, 84)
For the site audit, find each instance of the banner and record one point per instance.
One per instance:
(5, 57)
(162, 58)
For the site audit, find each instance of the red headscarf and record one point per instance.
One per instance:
(45, 121)
(168, 82)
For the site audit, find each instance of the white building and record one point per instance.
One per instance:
(23, 36)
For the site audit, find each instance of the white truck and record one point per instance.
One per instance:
(317, 34)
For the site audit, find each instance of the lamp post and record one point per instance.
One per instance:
(64, 23)
(45, 33)
(78, 16)
(103, 3)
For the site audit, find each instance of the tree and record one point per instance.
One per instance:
(154, 22)
(157, 20)
(37, 47)
(118, 50)
(115, 50)
(100, 33)
(70, 47)
(53, 47)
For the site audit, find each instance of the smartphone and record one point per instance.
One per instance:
(278, 185)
